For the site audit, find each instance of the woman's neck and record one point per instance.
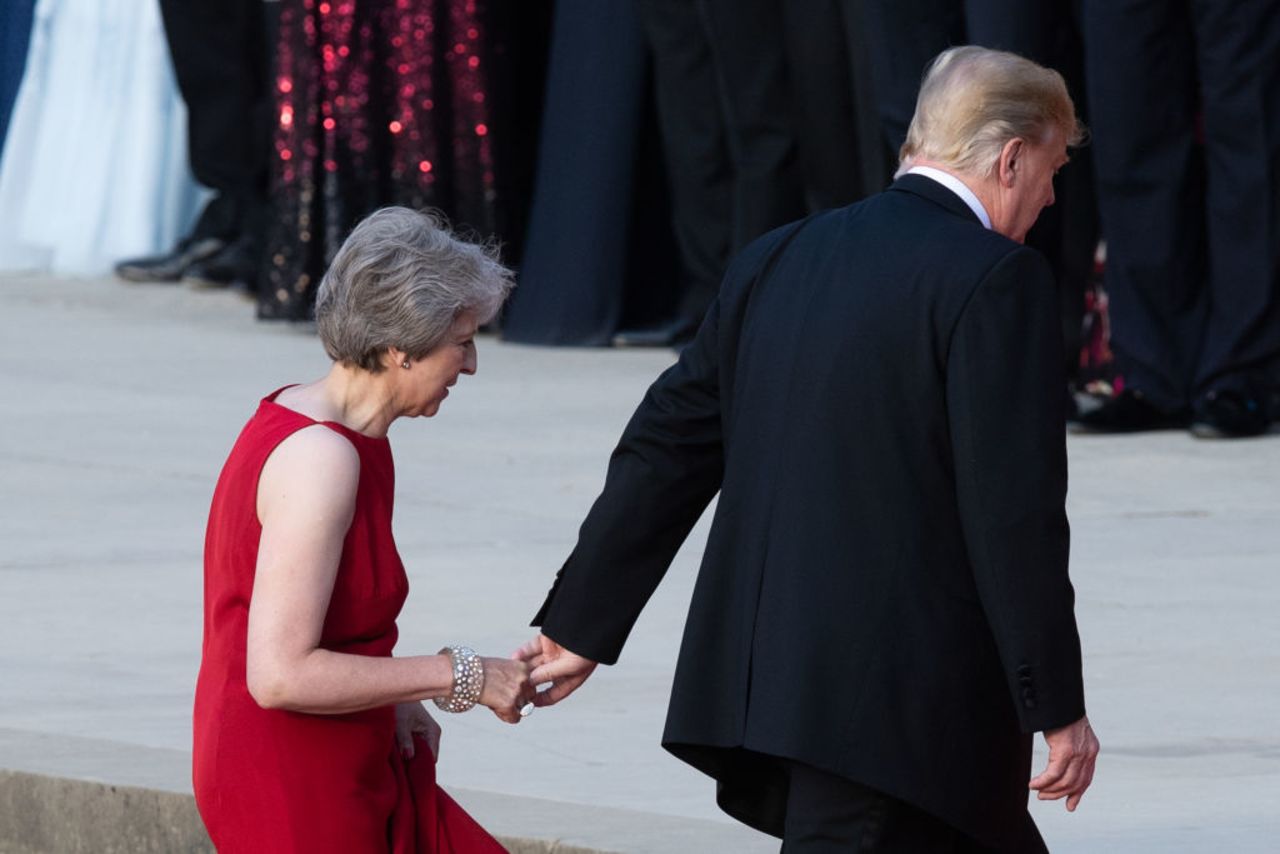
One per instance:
(355, 398)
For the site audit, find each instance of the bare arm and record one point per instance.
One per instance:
(306, 501)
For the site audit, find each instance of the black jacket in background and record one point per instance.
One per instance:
(876, 395)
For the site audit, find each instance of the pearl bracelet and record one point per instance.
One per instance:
(468, 679)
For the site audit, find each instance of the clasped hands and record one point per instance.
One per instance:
(511, 685)
(510, 690)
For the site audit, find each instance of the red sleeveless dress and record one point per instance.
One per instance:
(278, 781)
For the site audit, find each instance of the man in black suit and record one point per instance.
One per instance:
(883, 616)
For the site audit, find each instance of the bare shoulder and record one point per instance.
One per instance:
(315, 468)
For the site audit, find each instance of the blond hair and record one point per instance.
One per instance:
(973, 100)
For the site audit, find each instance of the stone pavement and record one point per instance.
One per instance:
(120, 403)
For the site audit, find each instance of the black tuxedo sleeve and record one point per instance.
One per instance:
(666, 468)
(1005, 402)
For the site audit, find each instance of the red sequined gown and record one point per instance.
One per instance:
(291, 783)
(378, 102)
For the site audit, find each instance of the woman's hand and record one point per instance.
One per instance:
(506, 688)
(413, 719)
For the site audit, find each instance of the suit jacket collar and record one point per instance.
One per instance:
(927, 188)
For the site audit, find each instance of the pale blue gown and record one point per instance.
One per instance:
(94, 168)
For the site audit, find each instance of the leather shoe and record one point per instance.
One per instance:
(235, 266)
(670, 333)
(1127, 412)
(170, 266)
(1229, 414)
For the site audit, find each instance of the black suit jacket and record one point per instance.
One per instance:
(877, 396)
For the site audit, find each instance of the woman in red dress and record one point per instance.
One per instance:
(309, 735)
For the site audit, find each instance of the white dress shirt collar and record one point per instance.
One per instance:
(955, 185)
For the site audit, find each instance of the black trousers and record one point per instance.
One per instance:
(220, 58)
(1192, 226)
(724, 113)
(907, 34)
(827, 814)
(843, 152)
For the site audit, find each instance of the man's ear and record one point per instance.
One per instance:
(1011, 161)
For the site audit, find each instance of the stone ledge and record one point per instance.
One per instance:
(58, 815)
(65, 791)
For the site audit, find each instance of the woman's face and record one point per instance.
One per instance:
(425, 384)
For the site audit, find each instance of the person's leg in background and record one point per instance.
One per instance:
(728, 137)
(220, 58)
(1139, 59)
(902, 38)
(1067, 232)
(696, 155)
(749, 53)
(842, 150)
(1238, 53)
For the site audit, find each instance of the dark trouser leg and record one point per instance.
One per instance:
(219, 58)
(1238, 53)
(1067, 232)
(877, 160)
(827, 814)
(903, 36)
(749, 54)
(842, 151)
(1027, 29)
(693, 139)
(818, 65)
(1142, 100)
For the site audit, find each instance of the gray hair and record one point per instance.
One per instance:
(974, 100)
(400, 279)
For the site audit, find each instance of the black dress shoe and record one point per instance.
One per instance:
(170, 266)
(235, 266)
(670, 333)
(1228, 414)
(1127, 412)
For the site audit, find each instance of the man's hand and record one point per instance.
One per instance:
(1073, 750)
(553, 663)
